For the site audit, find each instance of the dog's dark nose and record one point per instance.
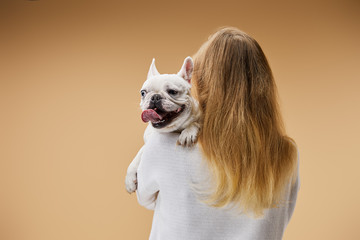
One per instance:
(156, 98)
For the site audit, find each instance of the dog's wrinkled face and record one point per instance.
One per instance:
(165, 98)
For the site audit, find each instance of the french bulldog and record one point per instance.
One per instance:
(167, 106)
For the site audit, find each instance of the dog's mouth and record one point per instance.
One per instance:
(160, 118)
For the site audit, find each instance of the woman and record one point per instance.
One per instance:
(241, 180)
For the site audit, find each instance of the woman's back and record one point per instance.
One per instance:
(166, 175)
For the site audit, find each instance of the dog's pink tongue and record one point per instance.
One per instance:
(150, 115)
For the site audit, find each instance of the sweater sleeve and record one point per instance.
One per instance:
(295, 188)
(147, 185)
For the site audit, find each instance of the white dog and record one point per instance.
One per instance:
(168, 107)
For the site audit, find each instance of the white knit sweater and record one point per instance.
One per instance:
(165, 176)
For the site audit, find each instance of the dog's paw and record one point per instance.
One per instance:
(131, 182)
(188, 137)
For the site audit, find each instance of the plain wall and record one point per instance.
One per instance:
(70, 75)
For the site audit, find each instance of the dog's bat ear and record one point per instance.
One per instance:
(152, 70)
(187, 69)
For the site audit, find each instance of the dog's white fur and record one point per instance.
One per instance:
(186, 122)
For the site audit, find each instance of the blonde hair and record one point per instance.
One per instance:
(242, 132)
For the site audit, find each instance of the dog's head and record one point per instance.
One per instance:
(165, 98)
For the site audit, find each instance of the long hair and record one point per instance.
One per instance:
(242, 133)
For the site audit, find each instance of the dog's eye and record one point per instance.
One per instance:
(143, 93)
(172, 92)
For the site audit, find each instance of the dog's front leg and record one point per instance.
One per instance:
(131, 175)
(188, 136)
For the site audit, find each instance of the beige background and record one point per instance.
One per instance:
(70, 75)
